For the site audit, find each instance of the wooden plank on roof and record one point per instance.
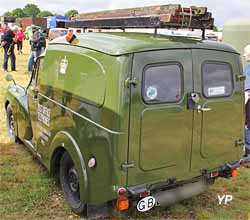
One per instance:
(168, 16)
(131, 22)
(127, 12)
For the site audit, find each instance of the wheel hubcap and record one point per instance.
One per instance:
(73, 180)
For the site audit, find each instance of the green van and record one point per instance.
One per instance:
(132, 119)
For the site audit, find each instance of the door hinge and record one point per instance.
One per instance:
(126, 165)
(130, 81)
(239, 143)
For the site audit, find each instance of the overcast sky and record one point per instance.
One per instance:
(222, 10)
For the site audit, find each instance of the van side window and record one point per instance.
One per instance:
(217, 79)
(163, 83)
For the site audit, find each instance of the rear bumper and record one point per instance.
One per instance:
(169, 193)
(172, 196)
(173, 191)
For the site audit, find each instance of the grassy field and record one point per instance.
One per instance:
(27, 191)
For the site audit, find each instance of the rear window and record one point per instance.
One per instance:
(162, 83)
(217, 79)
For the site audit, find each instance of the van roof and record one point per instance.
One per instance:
(125, 43)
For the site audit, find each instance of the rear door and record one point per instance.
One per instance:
(160, 123)
(218, 118)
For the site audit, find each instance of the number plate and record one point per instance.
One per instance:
(146, 204)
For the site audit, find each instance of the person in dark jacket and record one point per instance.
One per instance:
(37, 44)
(9, 46)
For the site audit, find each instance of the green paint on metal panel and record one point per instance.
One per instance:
(80, 74)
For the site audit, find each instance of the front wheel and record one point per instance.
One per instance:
(70, 182)
(11, 124)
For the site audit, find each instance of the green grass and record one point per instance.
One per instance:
(28, 192)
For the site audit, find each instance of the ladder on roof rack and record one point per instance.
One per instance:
(160, 16)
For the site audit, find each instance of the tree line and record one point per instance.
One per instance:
(32, 10)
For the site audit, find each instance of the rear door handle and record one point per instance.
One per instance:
(203, 109)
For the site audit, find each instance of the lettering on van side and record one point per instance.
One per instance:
(43, 134)
(43, 115)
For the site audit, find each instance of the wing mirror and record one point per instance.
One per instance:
(9, 78)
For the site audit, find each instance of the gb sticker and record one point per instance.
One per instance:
(146, 204)
(151, 92)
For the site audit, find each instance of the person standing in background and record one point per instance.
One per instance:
(38, 45)
(4, 28)
(33, 42)
(9, 46)
(41, 45)
(20, 38)
(247, 99)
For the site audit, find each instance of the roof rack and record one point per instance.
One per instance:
(159, 16)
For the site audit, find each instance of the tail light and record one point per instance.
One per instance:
(121, 192)
(234, 172)
(122, 203)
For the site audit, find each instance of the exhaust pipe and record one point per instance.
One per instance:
(169, 197)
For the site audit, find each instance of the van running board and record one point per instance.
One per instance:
(32, 149)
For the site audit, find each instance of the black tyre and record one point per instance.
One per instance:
(70, 183)
(11, 124)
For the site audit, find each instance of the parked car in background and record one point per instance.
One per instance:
(236, 32)
(57, 32)
(76, 30)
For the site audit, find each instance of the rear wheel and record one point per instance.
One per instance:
(70, 182)
(11, 124)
